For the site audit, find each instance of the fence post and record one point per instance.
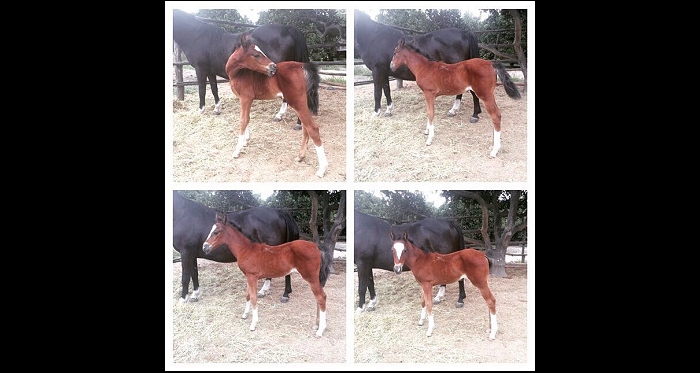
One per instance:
(178, 72)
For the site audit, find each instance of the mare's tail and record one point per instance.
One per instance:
(508, 84)
(326, 263)
(312, 80)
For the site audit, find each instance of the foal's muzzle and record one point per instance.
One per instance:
(271, 69)
(207, 248)
(392, 67)
(398, 268)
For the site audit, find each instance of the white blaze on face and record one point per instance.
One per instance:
(398, 246)
(260, 50)
(213, 227)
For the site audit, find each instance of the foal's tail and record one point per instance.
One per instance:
(325, 267)
(508, 84)
(312, 80)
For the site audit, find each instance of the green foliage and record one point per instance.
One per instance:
(229, 15)
(319, 26)
(503, 22)
(224, 200)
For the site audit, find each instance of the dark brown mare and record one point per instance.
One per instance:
(431, 269)
(257, 260)
(437, 78)
(253, 76)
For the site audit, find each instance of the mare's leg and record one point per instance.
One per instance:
(373, 300)
(462, 294)
(310, 129)
(215, 92)
(455, 106)
(201, 86)
(244, 133)
(477, 108)
(389, 101)
(287, 289)
(430, 127)
(364, 276)
(495, 113)
(189, 271)
(251, 300)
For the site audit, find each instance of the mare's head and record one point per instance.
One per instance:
(399, 246)
(249, 56)
(217, 235)
(399, 58)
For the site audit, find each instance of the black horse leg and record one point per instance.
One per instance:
(215, 92)
(287, 289)
(202, 86)
(462, 294)
(477, 109)
(189, 271)
(389, 101)
(372, 294)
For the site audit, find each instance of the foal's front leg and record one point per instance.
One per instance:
(244, 133)
(430, 127)
(251, 298)
(427, 307)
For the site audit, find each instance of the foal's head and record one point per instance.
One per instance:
(399, 58)
(399, 247)
(249, 56)
(217, 234)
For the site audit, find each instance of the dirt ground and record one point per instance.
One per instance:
(211, 330)
(391, 149)
(202, 144)
(391, 333)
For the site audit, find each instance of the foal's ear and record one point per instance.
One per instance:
(246, 39)
(401, 42)
(221, 217)
(391, 234)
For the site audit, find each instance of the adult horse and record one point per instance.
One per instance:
(373, 250)
(376, 42)
(436, 78)
(192, 223)
(208, 47)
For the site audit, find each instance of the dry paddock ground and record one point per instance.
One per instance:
(203, 144)
(211, 330)
(391, 149)
(391, 333)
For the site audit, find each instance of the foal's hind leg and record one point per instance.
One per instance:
(430, 127)
(320, 296)
(244, 133)
(495, 113)
(310, 129)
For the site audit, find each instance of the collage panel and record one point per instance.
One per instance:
(261, 102)
(442, 274)
(259, 276)
(431, 104)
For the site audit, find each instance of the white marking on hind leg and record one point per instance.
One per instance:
(494, 326)
(430, 131)
(321, 323)
(255, 319)
(247, 309)
(496, 143)
(322, 161)
(373, 303)
(242, 141)
(217, 106)
(423, 312)
(388, 110)
(431, 325)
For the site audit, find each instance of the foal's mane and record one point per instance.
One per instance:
(409, 45)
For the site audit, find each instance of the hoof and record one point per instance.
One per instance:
(284, 299)
(297, 127)
(217, 113)
(387, 114)
(436, 301)
(460, 304)
(277, 119)
(371, 308)
(473, 119)
(451, 114)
